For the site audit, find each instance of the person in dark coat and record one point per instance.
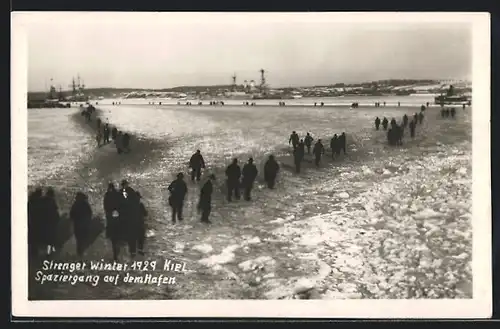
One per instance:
(452, 112)
(205, 202)
(119, 142)
(405, 120)
(442, 113)
(98, 138)
(412, 128)
(394, 135)
(114, 133)
(138, 228)
(271, 169)
(125, 187)
(421, 117)
(302, 147)
(337, 145)
(343, 143)
(106, 133)
(178, 190)
(318, 151)
(249, 174)
(81, 216)
(377, 123)
(98, 124)
(34, 220)
(385, 122)
(294, 140)
(50, 213)
(308, 141)
(415, 118)
(233, 174)
(398, 134)
(298, 156)
(126, 142)
(196, 163)
(334, 145)
(390, 136)
(422, 108)
(131, 215)
(463, 106)
(114, 226)
(393, 122)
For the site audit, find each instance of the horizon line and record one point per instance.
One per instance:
(270, 87)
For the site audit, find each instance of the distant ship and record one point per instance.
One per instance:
(403, 92)
(78, 88)
(53, 99)
(237, 95)
(451, 98)
(267, 96)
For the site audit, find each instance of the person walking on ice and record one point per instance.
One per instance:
(196, 163)
(205, 202)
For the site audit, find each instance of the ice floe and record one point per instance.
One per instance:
(203, 248)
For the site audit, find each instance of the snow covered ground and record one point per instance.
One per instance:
(379, 223)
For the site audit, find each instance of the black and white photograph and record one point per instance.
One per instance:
(315, 164)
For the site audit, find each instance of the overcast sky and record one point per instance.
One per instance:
(162, 51)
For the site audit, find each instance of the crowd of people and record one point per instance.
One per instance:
(188, 103)
(395, 133)
(338, 144)
(124, 212)
(87, 112)
(446, 112)
(43, 220)
(178, 190)
(105, 132)
(237, 178)
(125, 218)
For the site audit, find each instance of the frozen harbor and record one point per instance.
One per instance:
(381, 222)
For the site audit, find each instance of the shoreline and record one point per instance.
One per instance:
(347, 106)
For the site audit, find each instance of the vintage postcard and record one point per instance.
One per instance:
(251, 165)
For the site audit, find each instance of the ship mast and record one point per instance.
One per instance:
(262, 78)
(73, 87)
(52, 92)
(234, 82)
(61, 96)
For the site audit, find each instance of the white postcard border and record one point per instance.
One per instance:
(479, 307)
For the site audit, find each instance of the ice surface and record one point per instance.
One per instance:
(375, 224)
